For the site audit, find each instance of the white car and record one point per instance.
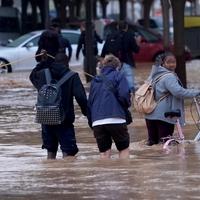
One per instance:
(20, 53)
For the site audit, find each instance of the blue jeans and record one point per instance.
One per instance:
(128, 71)
(62, 134)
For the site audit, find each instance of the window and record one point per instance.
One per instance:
(34, 41)
(72, 37)
(148, 35)
(19, 40)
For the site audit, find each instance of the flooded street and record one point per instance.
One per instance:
(150, 173)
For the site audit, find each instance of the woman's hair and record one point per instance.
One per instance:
(160, 59)
(112, 61)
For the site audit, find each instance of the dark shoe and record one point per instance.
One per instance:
(51, 155)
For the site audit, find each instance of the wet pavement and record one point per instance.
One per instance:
(150, 173)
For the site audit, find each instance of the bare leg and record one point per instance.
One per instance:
(106, 154)
(124, 153)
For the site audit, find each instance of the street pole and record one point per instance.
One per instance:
(122, 5)
(179, 38)
(89, 40)
(165, 8)
(46, 14)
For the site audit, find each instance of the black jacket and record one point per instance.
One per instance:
(81, 43)
(128, 47)
(65, 44)
(71, 88)
(49, 41)
(53, 43)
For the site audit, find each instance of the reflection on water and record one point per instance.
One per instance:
(150, 173)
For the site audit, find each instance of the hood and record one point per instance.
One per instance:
(104, 71)
(107, 69)
(98, 79)
(158, 70)
(58, 70)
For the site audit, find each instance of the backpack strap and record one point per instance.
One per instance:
(161, 98)
(160, 77)
(65, 78)
(47, 75)
(156, 81)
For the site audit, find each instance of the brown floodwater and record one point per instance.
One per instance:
(150, 173)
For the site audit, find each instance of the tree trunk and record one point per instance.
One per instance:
(71, 5)
(165, 9)
(60, 6)
(122, 6)
(179, 40)
(94, 6)
(104, 5)
(78, 7)
(34, 14)
(57, 6)
(6, 3)
(46, 13)
(62, 16)
(147, 7)
(89, 37)
(24, 15)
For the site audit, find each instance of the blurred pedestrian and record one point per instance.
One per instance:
(64, 43)
(63, 134)
(52, 41)
(108, 98)
(122, 43)
(49, 43)
(82, 45)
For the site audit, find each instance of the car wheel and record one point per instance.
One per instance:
(5, 69)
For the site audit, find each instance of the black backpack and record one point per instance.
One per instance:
(49, 109)
(114, 44)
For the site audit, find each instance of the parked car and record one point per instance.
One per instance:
(151, 43)
(20, 53)
(153, 24)
(156, 24)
